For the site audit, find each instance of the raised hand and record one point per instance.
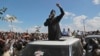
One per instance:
(57, 4)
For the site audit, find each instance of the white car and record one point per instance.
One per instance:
(63, 47)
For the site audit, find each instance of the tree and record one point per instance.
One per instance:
(2, 11)
(11, 19)
(37, 29)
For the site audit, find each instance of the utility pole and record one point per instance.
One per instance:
(84, 26)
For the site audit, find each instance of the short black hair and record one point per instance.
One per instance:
(52, 11)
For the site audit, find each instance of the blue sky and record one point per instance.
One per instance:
(32, 13)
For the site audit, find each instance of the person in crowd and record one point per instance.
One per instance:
(90, 47)
(64, 33)
(2, 42)
(69, 33)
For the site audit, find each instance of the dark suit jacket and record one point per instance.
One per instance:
(54, 32)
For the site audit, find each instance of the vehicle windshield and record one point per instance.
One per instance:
(93, 38)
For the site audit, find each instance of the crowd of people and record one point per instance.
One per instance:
(16, 41)
(90, 45)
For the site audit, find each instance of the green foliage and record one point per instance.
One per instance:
(2, 11)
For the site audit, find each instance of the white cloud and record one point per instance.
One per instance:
(11, 26)
(44, 29)
(77, 24)
(15, 28)
(17, 21)
(99, 14)
(41, 28)
(18, 29)
(78, 21)
(10, 18)
(90, 24)
(93, 23)
(31, 29)
(96, 2)
(68, 15)
(3, 30)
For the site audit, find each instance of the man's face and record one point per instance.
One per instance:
(52, 14)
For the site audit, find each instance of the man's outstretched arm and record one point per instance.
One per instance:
(62, 12)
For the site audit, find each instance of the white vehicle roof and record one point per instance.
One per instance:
(66, 41)
(93, 36)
